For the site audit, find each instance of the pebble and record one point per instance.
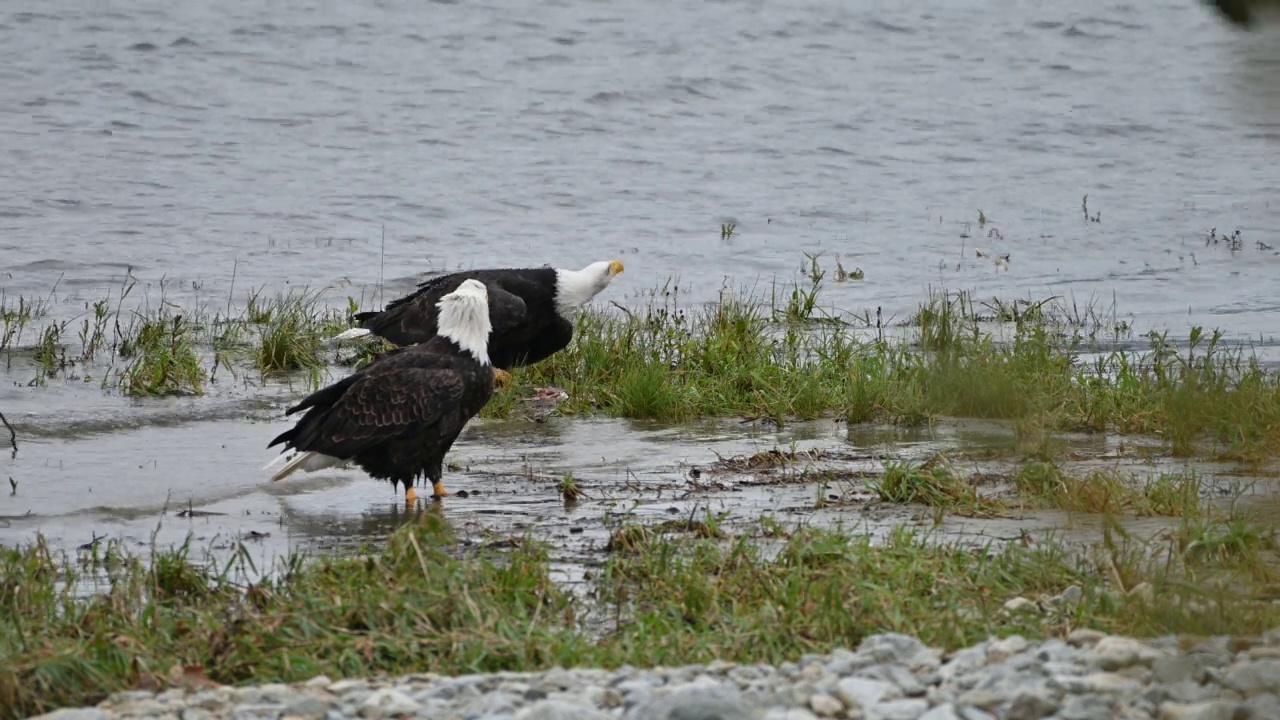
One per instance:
(1086, 676)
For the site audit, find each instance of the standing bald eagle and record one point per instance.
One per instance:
(532, 310)
(398, 417)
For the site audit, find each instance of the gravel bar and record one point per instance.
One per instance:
(1089, 676)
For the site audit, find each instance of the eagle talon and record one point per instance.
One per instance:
(438, 487)
(410, 496)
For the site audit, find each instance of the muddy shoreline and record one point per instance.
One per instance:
(505, 479)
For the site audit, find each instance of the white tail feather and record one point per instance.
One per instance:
(351, 334)
(307, 462)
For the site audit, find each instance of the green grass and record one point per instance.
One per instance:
(421, 604)
(163, 359)
(1110, 491)
(158, 348)
(779, 357)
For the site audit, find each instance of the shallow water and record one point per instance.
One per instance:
(200, 480)
(209, 149)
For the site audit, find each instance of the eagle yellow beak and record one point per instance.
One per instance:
(615, 267)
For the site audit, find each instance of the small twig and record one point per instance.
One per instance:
(92, 543)
(13, 436)
(630, 316)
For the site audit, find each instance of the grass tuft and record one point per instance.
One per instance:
(668, 599)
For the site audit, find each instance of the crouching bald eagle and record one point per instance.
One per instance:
(532, 311)
(398, 417)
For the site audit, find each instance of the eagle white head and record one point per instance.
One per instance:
(575, 288)
(464, 319)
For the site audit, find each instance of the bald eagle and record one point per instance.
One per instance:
(532, 310)
(397, 417)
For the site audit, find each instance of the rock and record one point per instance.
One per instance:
(1189, 693)
(862, 693)
(1100, 683)
(319, 682)
(971, 713)
(1031, 705)
(1086, 707)
(895, 675)
(825, 705)
(1252, 678)
(559, 710)
(1005, 648)
(897, 710)
(342, 687)
(73, 714)
(1069, 597)
(1265, 705)
(491, 703)
(209, 699)
(309, 707)
(1216, 710)
(813, 672)
(1017, 605)
(844, 662)
(1175, 669)
(891, 648)
(963, 662)
(694, 704)
(984, 699)
(1114, 653)
(387, 703)
(1144, 592)
(1085, 637)
(945, 711)
(786, 714)
(269, 694)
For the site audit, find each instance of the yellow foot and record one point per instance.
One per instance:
(501, 378)
(439, 488)
(410, 496)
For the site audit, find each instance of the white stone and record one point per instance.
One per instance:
(1085, 637)
(387, 703)
(861, 693)
(559, 710)
(1005, 648)
(897, 710)
(825, 705)
(1114, 653)
(73, 714)
(1252, 678)
(1215, 710)
(785, 714)
(1016, 605)
(945, 711)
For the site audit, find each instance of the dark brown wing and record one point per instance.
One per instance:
(383, 404)
(411, 320)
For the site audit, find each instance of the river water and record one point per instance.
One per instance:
(342, 143)
(183, 139)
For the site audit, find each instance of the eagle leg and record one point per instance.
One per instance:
(501, 378)
(410, 496)
(438, 486)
